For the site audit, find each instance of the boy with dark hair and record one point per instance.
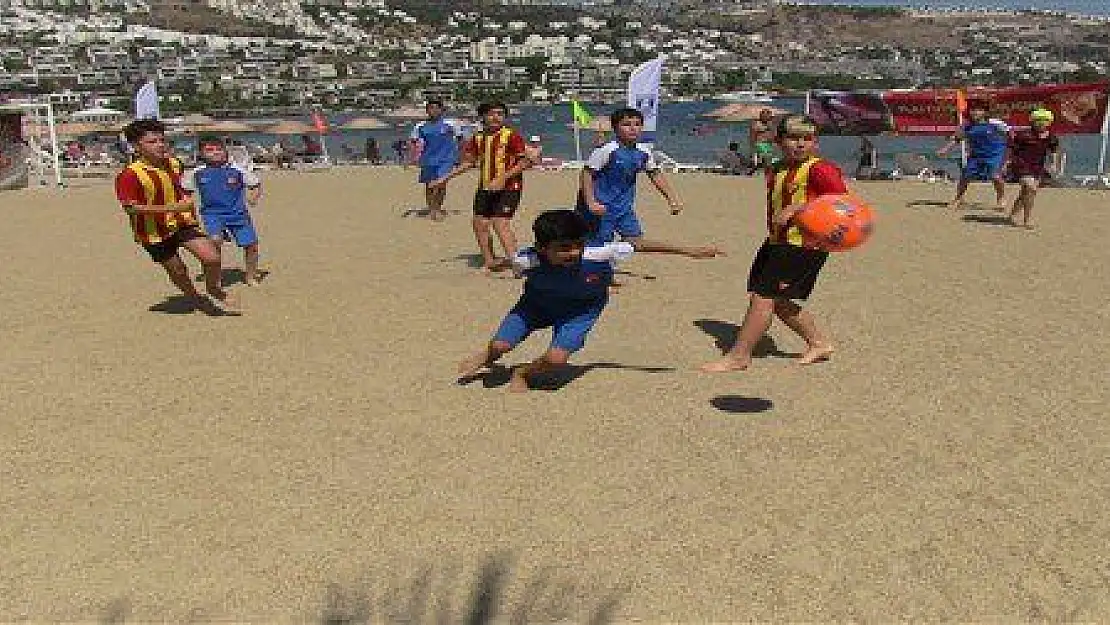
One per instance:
(566, 288)
(437, 141)
(223, 190)
(607, 189)
(986, 141)
(501, 155)
(162, 215)
(784, 270)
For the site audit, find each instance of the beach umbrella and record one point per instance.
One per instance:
(600, 124)
(224, 125)
(407, 113)
(739, 112)
(78, 129)
(196, 119)
(290, 127)
(365, 123)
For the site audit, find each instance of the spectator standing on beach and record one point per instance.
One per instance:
(438, 141)
(372, 154)
(761, 141)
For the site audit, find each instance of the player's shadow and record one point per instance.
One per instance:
(498, 375)
(632, 274)
(724, 337)
(182, 305)
(738, 404)
(921, 203)
(425, 213)
(474, 261)
(234, 275)
(989, 220)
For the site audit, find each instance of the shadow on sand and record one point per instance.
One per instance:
(738, 404)
(996, 219)
(498, 375)
(724, 336)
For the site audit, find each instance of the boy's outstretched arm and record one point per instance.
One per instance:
(660, 181)
(466, 164)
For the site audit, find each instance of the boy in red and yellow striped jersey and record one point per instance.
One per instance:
(162, 214)
(784, 269)
(501, 156)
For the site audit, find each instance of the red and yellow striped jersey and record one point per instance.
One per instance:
(140, 184)
(496, 152)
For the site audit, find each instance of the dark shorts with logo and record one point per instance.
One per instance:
(496, 203)
(784, 271)
(161, 252)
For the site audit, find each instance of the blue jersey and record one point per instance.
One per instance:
(440, 141)
(614, 167)
(556, 288)
(220, 190)
(986, 140)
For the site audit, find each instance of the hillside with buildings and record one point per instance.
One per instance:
(359, 54)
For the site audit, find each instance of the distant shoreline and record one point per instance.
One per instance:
(931, 9)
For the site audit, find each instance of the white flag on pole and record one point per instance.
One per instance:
(643, 94)
(146, 102)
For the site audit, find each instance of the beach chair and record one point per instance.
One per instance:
(668, 163)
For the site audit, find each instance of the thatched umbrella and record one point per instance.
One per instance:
(599, 124)
(365, 123)
(79, 129)
(407, 112)
(196, 119)
(739, 112)
(224, 126)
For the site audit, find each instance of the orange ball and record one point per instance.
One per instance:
(835, 223)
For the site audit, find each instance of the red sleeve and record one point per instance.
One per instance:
(128, 189)
(825, 178)
(516, 144)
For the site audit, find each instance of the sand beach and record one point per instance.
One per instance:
(316, 460)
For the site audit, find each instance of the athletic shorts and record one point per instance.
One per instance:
(983, 169)
(236, 227)
(167, 249)
(783, 271)
(604, 227)
(428, 173)
(496, 203)
(569, 327)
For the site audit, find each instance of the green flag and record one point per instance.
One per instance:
(582, 117)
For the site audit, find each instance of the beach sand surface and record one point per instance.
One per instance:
(318, 457)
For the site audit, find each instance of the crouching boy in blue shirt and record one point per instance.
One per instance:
(566, 288)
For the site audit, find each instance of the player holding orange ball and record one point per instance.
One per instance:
(785, 269)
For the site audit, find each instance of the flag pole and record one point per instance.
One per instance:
(1105, 137)
(578, 141)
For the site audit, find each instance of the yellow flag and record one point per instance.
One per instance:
(582, 117)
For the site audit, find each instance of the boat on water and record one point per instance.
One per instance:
(761, 97)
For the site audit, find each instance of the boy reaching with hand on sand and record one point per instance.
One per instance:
(163, 217)
(784, 270)
(566, 288)
(607, 191)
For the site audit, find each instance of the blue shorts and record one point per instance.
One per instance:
(569, 328)
(983, 169)
(238, 226)
(603, 227)
(428, 173)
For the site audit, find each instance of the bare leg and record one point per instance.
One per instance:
(435, 197)
(551, 359)
(209, 257)
(476, 362)
(485, 242)
(1024, 203)
(801, 322)
(999, 194)
(961, 189)
(250, 262)
(756, 322)
(179, 275)
(503, 226)
(645, 245)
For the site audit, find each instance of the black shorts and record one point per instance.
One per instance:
(784, 271)
(496, 203)
(161, 252)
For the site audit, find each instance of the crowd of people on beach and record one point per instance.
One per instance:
(569, 270)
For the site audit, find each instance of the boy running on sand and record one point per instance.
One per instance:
(222, 191)
(607, 191)
(986, 152)
(501, 156)
(1028, 152)
(784, 270)
(163, 217)
(566, 288)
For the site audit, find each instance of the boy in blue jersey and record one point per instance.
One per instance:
(607, 191)
(223, 191)
(986, 140)
(438, 142)
(566, 288)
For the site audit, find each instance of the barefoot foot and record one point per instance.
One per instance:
(473, 364)
(518, 383)
(726, 364)
(815, 354)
